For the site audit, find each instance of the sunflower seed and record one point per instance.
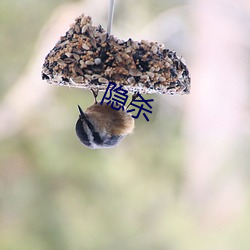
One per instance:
(77, 79)
(126, 56)
(103, 80)
(61, 62)
(131, 80)
(134, 72)
(154, 49)
(95, 76)
(150, 74)
(119, 58)
(88, 77)
(135, 45)
(78, 51)
(69, 60)
(68, 54)
(77, 29)
(78, 70)
(77, 57)
(103, 37)
(85, 46)
(64, 43)
(145, 42)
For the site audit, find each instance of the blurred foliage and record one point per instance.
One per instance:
(20, 24)
(56, 194)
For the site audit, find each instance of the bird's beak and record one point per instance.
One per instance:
(82, 115)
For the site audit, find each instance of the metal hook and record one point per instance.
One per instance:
(110, 15)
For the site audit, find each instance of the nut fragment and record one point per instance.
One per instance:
(68, 54)
(88, 62)
(154, 49)
(150, 74)
(98, 61)
(134, 72)
(144, 78)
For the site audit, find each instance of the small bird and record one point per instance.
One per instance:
(101, 126)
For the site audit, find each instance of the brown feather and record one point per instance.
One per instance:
(105, 118)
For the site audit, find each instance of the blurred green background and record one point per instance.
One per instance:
(181, 181)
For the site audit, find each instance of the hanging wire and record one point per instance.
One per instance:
(110, 15)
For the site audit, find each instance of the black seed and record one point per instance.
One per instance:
(171, 87)
(45, 77)
(156, 85)
(63, 56)
(165, 51)
(136, 57)
(176, 64)
(185, 72)
(186, 90)
(65, 79)
(144, 65)
(137, 78)
(95, 81)
(173, 73)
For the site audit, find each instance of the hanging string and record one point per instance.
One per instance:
(110, 15)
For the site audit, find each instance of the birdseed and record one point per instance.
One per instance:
(87, 57)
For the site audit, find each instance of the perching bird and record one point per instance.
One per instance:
(101, 126)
